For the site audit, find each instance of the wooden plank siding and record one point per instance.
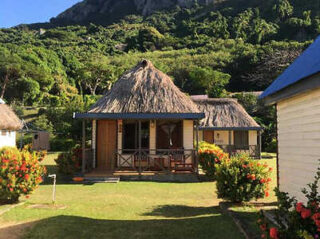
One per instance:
(253, 137)
(299, 141)
(208, 136)
(152, 138)
(188, 134)
(106, 144)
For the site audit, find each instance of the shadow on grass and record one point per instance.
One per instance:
(217, 226)
(263, 204)
(182, 211)
(248, 218)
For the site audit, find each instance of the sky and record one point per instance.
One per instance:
(15, 12)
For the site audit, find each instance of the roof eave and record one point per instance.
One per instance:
(101, 116)
(299, 87)
(232, 128)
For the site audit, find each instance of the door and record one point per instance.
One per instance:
(208, 136)
(106, 144)
(241, 140)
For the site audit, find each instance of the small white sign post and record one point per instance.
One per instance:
(54, 176)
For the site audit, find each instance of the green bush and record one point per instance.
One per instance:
(241, 179)
(209, 156)
(272, 146)
(57, 144)
(70, 162)
(20, 173)
(26, 140)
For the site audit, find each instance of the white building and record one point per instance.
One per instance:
(9, 124)
(296, 94)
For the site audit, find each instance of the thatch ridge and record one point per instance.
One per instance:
(224, 113)
(8, 119)
(145, 89)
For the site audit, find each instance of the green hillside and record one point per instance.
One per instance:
(229, 46)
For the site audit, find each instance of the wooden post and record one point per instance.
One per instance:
(260, 144)
(277, 136)
(230, 143)
(197, 147)
(21, 139)
(93, 143)
(139, 138)
(83, 146)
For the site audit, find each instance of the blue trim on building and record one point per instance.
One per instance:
(101, 116)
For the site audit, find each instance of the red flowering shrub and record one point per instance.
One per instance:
(20, 173)
(295, 220)
(70, 162)
(209, 156)
(242, 179)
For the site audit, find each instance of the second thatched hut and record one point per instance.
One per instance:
(228, 125)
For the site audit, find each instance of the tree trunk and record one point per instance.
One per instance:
(4, 86)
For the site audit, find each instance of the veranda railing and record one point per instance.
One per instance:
(165, 160)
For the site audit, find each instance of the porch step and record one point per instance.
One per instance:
(183, 167)
(174, 177)
(102, 179)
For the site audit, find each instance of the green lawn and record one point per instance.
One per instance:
(123, 210)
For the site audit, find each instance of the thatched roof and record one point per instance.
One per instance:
(8, 119)
(225, 113)
(145, 89)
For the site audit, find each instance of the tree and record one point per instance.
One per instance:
(270, 66)
(147, 39)
(262, 29)
(10, 67)
(282, 9)
(213, 82)
(95, 72)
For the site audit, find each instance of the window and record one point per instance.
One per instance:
(241, 140)
(169, 134)
(130, 139)
(3, 132)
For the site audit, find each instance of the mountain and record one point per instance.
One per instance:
(105, 12)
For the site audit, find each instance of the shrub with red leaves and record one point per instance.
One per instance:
(209, 156)
(70, 162)
(20, 172)
(241, 179)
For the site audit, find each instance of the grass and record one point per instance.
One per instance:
(266, 155)
(123, 210)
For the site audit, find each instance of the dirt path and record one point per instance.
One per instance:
(14, 231)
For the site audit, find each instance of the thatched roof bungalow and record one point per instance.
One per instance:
(144, 123)
(228, 125)
(9, 123)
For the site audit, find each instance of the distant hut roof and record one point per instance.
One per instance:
(254, 93)
(8, 119)
(225, 113)
(145, 89)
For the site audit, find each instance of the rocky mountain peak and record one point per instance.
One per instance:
(106, 11)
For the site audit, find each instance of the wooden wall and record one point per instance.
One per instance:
(152, 139)
(299, 140)
(188, 134)
(106, 144)
(253, 137)
(211, 136)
